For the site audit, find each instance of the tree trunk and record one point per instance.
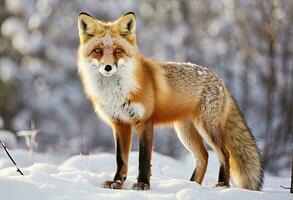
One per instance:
(291, 189)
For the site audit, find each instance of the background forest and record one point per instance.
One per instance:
(248, 43)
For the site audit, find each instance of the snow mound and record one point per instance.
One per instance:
(80, 177)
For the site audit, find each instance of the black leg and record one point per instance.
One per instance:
(145, 151)
(223, 179)
(122, 135)
(119, 162)
(192, 178)
(144, 161)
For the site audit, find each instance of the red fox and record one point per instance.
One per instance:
(129, 90)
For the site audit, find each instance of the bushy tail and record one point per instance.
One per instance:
(245, 159)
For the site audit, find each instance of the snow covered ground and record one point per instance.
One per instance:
(80, 177)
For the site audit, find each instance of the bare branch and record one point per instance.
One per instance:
(7, 152)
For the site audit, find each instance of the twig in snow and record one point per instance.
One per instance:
(7, 152)
(287, 188)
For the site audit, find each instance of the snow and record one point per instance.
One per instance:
(8, 138)
(81, 176)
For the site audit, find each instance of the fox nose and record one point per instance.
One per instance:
(108, 68)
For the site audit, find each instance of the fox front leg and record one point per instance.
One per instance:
(145, 135)
(122, 135)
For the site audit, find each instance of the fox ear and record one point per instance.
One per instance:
(88, 26)
(127, 25)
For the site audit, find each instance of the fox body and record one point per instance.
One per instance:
(128, 91)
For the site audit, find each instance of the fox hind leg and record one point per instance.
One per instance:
(218, 144)
(190, 138)
(224, 171)
(214, 138)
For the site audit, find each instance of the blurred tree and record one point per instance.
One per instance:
(8, 91)
(267, 44)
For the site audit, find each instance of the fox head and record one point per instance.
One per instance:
(107, 46)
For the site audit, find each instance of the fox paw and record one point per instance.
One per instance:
(222, 184)
(113, 184)
(141, 186)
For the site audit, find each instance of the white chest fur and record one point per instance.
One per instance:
(112, 91)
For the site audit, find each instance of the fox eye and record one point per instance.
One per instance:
(98, 50)
(118, 50)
